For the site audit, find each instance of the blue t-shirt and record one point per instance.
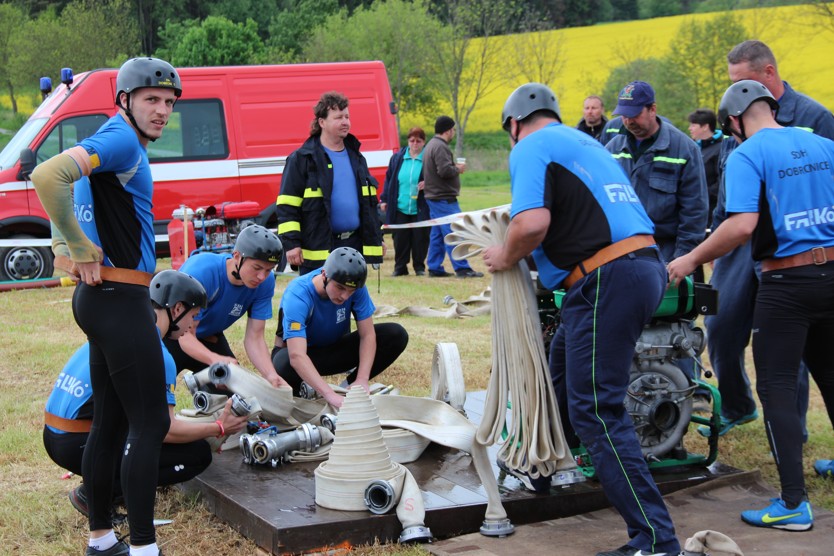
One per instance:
(226, 302)
(591, 201)
(344, 202)
(320, 321)
(787, 176)
(113, 204)
(72, 395)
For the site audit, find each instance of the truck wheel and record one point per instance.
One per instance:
(25, 263)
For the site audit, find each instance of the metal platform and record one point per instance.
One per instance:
(276, 508)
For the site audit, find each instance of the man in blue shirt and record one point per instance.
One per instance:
(574, 209)
(313, 338)
(328, 196)
(176, 299)
(735, 275)
(238, 283)
(780, 192)
(98, 196)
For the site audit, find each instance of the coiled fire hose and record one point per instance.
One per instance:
(536, 444)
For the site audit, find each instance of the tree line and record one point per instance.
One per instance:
(435, 50)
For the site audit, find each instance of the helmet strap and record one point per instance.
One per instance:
(236, 271)
(172, 322)
(740, 134)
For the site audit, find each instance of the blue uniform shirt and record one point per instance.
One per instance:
(320, 321)
(787, 176)
(72, 395)
(591, 201)
(226, 302)
(113, 204)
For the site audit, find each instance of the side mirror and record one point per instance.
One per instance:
(27, 164)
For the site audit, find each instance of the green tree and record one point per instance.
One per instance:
(463, 63)
(216, 41)
(534, 54)
(400, 39)
(12, 19)
(698, 59)
(291, 28)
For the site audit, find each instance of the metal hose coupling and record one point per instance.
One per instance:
(380, 496)
(208, 403)
(272, 448)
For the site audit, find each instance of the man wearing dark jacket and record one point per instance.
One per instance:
(328, 196)
(593, 117)
(702, 123)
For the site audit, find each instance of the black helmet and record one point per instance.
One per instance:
(256, 242)
(528, 99)
(346, 266)
(738, 98)
(170, 287)
(137, 73)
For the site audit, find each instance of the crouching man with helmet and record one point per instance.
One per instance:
(236, 283)
(314, 338)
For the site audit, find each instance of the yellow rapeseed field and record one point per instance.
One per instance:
(804, 51)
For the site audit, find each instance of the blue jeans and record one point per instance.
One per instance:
(735, 276)
(603, 314)
(437, 248)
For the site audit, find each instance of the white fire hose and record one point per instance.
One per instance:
(536, 443)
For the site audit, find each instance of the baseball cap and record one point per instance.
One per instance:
(633, 98)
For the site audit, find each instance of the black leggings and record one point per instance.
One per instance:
(177, 462)
(127, 374)
(793, 319)
(343, 356)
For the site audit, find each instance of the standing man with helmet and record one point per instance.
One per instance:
(328, 195)
(98, 197)
(735, 275)
(779, 189)
(176, 298)
(574, 209)
(313, 338)
(237, 283)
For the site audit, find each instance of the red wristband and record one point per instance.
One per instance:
(222, 430)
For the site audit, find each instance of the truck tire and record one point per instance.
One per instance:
(25, 263)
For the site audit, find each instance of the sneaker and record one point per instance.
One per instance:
(726, 425)
(121, 548)
(420, 272)
(778, 516)
(824, 467)
(468, 273)
(628, 550)
(400, 272)
(439, 273)
(78, 499)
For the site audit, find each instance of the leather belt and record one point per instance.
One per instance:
(109, 273)
(608, 254)
(67, 425)
(344, 235)
(817, 256)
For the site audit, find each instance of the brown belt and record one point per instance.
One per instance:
(608, 254)
(817, 256)
(109, 273)
(67, 425)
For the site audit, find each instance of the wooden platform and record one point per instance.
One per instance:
(276, 507)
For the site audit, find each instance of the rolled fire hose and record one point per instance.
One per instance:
(474, 306)
(359, 459)
(536, 444)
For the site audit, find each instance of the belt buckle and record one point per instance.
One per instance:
(344, 235)
(817, 251)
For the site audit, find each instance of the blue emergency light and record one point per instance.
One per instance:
(66, 76)
(46, 85)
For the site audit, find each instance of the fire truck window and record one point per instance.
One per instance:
(196, 131)
(68, 133)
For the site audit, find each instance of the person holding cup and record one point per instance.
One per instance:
(442, 188)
